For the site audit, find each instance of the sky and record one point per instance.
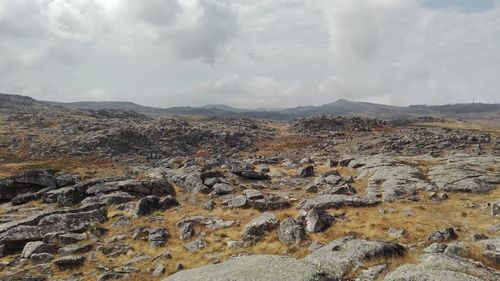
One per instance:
(260, 53)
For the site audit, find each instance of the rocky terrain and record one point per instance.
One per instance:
(112, 194)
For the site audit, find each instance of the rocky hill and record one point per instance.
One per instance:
(115, 194)
(341, 107)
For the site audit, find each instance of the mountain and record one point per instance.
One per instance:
(109, 105)
(345, 107)
(340, 107)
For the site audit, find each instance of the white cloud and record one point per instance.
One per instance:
(249, 53)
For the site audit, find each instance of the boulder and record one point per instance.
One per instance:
(113, 198)
(457, 249)
(251, 175)
(238, 201)
(442, 235)
(14, 235)
(221, 189)
(196, 245)
(27, 181)
(291, 231)
(491, 249)
(256, 228)
(318, 220)
(186, 230)
(307, 171)
(436, 248)
(69, 262)
(38, 247)
(158, 236)
(270, 202)
(146, 206)
(253, 194)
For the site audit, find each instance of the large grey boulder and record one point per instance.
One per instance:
(440, 267)
(255, 268)
(257, 228)
(345, 255)
(291, 231)
(27, 181)
(466, 174)
(14, 235)
(318, 220)
(390, 179)
(327, 201)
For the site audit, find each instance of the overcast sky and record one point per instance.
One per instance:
(259, 53)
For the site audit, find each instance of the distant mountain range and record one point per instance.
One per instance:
(340, 107)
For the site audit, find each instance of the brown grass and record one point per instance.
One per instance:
(85, 167)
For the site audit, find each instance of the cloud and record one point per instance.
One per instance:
(250, 53)
(409, 52)
(190, 29)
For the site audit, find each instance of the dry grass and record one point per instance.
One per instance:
(473, 125)
(85, 167)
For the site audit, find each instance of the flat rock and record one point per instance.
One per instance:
(345, 255)
(336, 201)
(440, 267)
(252, 268)
(465, 174)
